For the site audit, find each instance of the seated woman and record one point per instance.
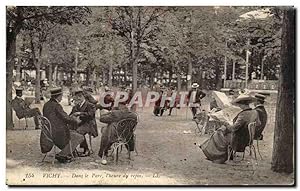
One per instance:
(236, 135)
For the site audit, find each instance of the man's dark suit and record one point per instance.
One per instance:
(61, 124)
(87, 117)
(263, 117)
(199, 95)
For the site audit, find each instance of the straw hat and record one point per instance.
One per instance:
(56, 91)
(195, 85)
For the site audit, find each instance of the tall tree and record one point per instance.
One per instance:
(16, 20)
(284, 139)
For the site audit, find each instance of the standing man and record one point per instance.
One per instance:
(87, 127)
(197, 100)
(63, 126)
(22, 108)
(262, 114)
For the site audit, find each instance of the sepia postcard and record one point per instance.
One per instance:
(150, 95)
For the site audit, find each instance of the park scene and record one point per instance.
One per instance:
(173, 96)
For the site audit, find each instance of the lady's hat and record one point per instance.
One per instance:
(260, 97)
(56, 91)
(244, 99)
(195, 85)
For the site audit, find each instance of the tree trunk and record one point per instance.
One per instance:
(37, 64)
(110, 75)
(201, 77)
(88, 76)
(125, 74)
(50, 75)
(152, 74)
(170, 76)
(18, 71)
(134, 75)
(189, 73)
(283, 147)
(10, 55)
(218, 79)
(94, 77)
(178, 82)
(103, 77)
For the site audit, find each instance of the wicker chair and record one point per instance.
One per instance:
(124, 131)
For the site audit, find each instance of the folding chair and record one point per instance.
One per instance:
(46, 129)
(124, 131)
(201, 120)
(19, 119)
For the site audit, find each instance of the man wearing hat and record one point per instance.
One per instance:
(87, 91)
(109, 133)
(63, 126)
(239, 129)
(22, 108)
(262, 114)
(86, 113)
(198, 96)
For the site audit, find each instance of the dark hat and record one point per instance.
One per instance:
(77, 91)
(244, 99)
(56, 91)
(19, 89)
(260, 97)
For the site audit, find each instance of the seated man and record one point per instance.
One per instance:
(62, 128)
(262, 114)
(86, 113)
(22, 108)
(108, 134)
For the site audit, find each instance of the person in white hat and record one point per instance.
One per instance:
(197, 100)
(262, 114)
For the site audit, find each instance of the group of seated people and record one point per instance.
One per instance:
(79, 126)
(236, 136)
